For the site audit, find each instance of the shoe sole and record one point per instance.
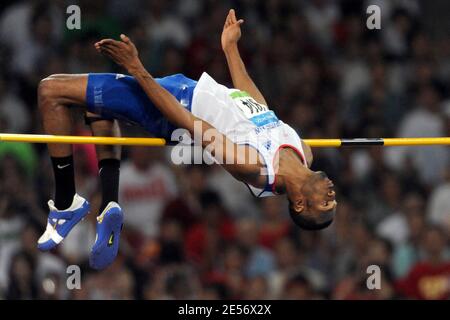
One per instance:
(101, 256)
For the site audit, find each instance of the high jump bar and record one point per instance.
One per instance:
(158, 142)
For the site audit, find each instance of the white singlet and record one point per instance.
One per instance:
(241, 119)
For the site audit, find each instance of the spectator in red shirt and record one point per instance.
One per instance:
(429, 279)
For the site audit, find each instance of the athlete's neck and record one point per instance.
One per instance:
(290, 168)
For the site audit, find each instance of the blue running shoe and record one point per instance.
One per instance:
(106, 246)
(60, 222)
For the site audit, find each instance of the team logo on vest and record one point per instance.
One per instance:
(268, 144)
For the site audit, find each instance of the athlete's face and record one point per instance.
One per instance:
(319, 193)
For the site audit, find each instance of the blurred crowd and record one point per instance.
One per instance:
(192, 232)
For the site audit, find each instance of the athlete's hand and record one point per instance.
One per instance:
(124, 52)
(231, 30)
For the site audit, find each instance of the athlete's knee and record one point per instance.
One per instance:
(47, 89)
(49, 92)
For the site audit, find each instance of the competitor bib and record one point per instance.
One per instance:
(256, 112)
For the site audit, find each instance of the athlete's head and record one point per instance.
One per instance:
(312, 204)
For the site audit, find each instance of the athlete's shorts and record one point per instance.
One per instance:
(117, 96)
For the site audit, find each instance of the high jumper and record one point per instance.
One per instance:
(237, 129)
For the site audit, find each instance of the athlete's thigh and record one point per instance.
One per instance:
(69, 88)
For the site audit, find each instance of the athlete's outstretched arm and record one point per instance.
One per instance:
(241, 80)
(125, 54)
(230, 36)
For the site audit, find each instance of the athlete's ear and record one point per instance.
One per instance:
(298, 205)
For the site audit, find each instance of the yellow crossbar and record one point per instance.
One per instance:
(40, 138)
(154, 142)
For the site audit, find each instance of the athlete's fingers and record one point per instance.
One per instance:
(233, 16)
(240, 21)
(230, 16)
(112, 43)
(227, 20)
(125, 39)
(106, 44)
(111, 49)
(104, 41)
(115, 48)
(97, 45)
(107, 51)
(110, 52)
(128, 43)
